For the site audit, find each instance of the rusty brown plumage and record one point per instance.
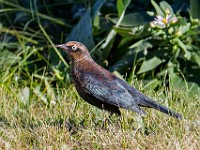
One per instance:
(103, 89)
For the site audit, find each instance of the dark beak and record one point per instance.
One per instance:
(63, 46)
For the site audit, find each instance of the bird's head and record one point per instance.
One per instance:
(75, 50)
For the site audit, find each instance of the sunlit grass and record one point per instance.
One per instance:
(40, 108)
(66, 121)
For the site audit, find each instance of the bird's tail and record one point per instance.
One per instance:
(152, 104)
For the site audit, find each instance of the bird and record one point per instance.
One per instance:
(101, 88)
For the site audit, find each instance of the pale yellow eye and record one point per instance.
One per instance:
(74, 47)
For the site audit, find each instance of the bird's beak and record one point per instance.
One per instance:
(63, 46)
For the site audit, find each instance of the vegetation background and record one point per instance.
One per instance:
(39, 106)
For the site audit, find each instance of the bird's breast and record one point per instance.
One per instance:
(87, 72)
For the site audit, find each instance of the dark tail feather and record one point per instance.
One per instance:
(153, 104)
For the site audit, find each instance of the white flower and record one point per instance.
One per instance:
(163, 22)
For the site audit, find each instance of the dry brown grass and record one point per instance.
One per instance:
(71, 123)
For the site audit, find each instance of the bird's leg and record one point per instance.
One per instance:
(104, 123)
(106, 120)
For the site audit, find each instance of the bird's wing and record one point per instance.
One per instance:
(144, 101)
(110, 91)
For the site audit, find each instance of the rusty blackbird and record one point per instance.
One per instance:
(103, 89)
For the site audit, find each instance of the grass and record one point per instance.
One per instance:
(36, 115)
(33, 120)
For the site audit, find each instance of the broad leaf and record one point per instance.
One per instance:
(133, 19)
(107, 45)
(82, 32)
(194, 9)
(184, 48)
(122, 5)
(135, 52)
(134, 32)
(149, 64)
(165, 6)
(157, 8)
(196, 58)
(152, 83)
(95, 9)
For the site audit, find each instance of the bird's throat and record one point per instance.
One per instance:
(81, 60)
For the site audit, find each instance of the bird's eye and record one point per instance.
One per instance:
(74, 47)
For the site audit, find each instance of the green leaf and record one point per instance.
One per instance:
(121, 6)
(141, 45)
(125, 61)
(164, 5)
(184, 48)
(135, 52)
(153, 83)
(107, 45)
(82, 32)
(136, 32)
(194, 9)
(184, 28)
(95, 9)
(178, 83)
(193, 88)
(149, 64)
(8, 58)
(196, 58)
(133, 19)
(157, 8)
(175, 80)
(151, 13)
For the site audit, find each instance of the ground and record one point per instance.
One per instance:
(35, 121)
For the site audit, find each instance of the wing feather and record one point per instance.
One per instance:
(111, 92)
